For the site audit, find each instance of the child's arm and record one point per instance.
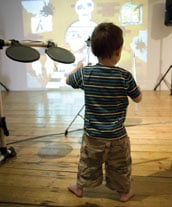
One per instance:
(78, 66)
(138, 98)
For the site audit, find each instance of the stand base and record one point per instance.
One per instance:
(6, 153)
(78, 114)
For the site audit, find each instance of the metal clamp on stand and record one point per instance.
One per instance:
(3, 125)
(4, 151)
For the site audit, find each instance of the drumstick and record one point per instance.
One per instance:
(135, 77)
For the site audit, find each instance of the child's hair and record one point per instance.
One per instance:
(106, 39)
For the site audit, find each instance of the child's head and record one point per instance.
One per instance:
(106, 39)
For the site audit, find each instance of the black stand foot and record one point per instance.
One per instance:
(66, 132)
(6, 153)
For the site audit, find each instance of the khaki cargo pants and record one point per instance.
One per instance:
(114, 154)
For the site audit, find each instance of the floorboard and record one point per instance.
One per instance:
(46, 160)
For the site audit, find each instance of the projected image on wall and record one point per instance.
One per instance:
(70, 24)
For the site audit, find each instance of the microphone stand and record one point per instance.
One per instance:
(88, 42)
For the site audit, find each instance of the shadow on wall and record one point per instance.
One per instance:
(159, 31)
(158, 28)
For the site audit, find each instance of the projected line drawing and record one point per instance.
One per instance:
(42, 11)
(131, 14)
(79, 31)
(139, 45)
(48, 9)
(74, 29)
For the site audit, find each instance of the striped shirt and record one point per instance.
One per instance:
(106, 92)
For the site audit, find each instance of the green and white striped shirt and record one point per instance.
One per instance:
(106, 98)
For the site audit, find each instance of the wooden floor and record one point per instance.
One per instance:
(46, 161)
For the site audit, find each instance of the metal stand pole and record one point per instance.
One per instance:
(4, 151)
(88, 42)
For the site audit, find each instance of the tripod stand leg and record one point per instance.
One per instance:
(4, 86)
(162, 78)
(78, 114)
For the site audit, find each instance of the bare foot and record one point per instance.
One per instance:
(76, 190)
(126, 197)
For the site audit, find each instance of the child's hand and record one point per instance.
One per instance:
(79, 65)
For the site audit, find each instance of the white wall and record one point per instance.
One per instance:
(159, 45)
(13, 74)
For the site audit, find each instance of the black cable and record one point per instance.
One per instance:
(62, 133)
(43, 204)
(41, 136)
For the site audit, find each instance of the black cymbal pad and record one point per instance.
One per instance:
(23, 54)
(60, 55)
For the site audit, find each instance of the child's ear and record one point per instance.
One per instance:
(118, 51)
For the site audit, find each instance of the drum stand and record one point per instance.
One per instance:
(22, 52)
(4, 151)
(163, 77)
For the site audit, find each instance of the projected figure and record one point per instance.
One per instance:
(139, 45)
(80, 31)
(41, 22)
(42, 11)
(131, 14)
